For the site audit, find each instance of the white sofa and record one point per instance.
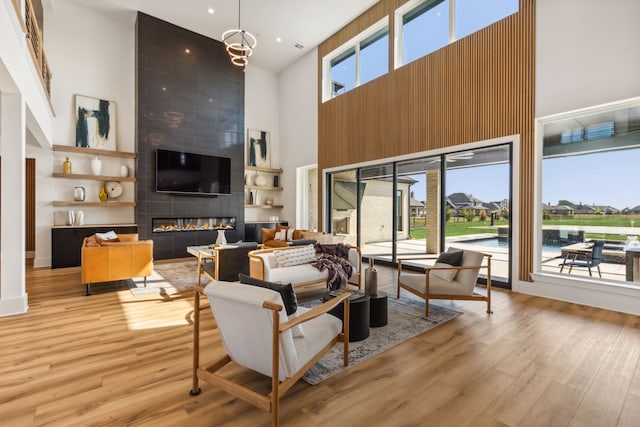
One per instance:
(262, 265)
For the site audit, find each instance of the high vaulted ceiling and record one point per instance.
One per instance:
(304, 22)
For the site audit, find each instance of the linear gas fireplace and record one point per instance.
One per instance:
(166, 225)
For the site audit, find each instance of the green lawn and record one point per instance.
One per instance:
(476, 227)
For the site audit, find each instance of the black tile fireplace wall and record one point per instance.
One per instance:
(189, 97)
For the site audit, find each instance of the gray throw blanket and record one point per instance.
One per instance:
(334, 259)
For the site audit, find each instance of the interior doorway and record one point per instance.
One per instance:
(307, 196)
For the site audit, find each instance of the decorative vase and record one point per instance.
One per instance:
(71, 218)
(371, 279)
(124, 171)
(96, 166)
(79, 220)
(250, 197)
(276, 181)
(66, 166)
(221, 239)
(102, 194)
(78, 194)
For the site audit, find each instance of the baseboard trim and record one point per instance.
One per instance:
(615, 297)
(14, 306)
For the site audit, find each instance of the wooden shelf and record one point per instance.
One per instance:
(264, 206)
(259, 169)
(93, 151)
(262, 187)
(99, 204)
(94, 177)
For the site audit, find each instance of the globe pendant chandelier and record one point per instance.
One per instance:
(239, 44)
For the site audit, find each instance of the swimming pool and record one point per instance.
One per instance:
(494, 242)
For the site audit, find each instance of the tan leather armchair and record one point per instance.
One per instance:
(107, 261)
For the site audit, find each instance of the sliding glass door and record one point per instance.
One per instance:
(477, 202)
(418, 184)
(378, 218)
(417, 207)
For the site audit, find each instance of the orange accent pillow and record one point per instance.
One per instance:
(268, 234)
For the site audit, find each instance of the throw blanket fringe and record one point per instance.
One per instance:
(334, 259)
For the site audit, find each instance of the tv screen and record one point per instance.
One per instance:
(190, 173)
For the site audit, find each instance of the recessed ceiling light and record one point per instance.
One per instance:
(279, 39)
(187, 51)
(211, 11)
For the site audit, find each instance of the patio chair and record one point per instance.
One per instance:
(257, 333)
(447, 280)
(588, 260)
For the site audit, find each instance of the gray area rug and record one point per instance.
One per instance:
(167, 278)
(406, 320)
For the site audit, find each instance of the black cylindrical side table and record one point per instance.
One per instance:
(358, 315)
(378, 309)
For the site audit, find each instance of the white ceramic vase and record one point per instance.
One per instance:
(124, 170)
(96, 166)
(79, 219)
(222, 239)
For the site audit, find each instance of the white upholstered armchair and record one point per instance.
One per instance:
(257, 334)
(446, 281)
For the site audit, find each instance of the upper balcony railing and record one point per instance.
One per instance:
(35, 43)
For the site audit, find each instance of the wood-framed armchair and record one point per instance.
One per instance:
(256, 333)
(457, 284)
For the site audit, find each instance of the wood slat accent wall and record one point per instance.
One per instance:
(480, 87)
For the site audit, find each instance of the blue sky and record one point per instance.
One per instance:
(487, 183)
(608, 178)
(601, 178)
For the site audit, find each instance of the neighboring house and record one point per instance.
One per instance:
(582, 209)
(629, 211)
(418, 208)
(563, 210)
(460, 202)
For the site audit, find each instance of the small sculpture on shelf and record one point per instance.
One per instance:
(78, 194)
(96, 165)
(66, 166)
(102, 194)
(113, 189)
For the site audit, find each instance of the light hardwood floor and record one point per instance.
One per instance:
(112, 359)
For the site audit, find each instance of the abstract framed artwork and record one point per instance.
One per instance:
(95, 123)
(258, 148)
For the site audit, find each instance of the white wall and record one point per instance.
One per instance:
(94, 55)
(586, 53)
(298, 125)
(261, 99)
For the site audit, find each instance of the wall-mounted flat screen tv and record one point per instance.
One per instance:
(190, 173)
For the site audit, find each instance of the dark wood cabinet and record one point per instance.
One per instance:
(66, 241)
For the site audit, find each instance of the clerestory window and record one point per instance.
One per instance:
(358, 61)
(424, 26)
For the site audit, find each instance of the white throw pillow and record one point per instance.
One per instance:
(280, 235)
(297, 256)
(272, 261)
(290, 234)
(109, 236)
(447, 275)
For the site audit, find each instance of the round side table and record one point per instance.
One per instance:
(358, 315)
(378, 309)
